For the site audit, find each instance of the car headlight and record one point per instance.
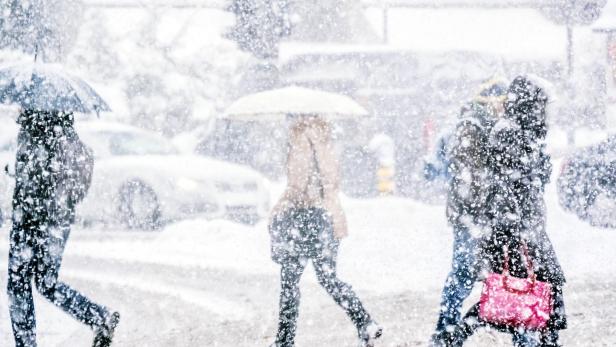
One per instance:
(251, 186)
(223, 187)
(242, 187)
(188, 184)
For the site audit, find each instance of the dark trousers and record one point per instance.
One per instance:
(341, 292)
(547, 337)
(472, 322)
(36, 255)
(314, 242)
(460, 280)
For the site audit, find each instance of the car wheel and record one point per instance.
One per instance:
(250, 219)
(601, 210)
(243, 217)
(139, 207)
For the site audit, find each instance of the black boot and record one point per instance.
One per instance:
(369, 333)
(439, 339)
(550, 339)
(104, 333)
(453, 338)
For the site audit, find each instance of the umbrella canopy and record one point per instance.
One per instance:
(47, 87)
(278, 103)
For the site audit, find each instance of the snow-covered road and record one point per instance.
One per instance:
(211, 283)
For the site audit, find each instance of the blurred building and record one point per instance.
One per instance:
(606, 27)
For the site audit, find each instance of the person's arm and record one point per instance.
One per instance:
(330, 179)
(466, 148)
(545, 165)
(464, 161)
(328, 168)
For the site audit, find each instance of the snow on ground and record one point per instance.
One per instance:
(212, 283)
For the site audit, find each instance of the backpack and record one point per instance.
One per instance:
(77, 164)
(468, 186)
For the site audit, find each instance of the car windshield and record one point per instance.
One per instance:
(8, 146)
(611, 142)
(127, 143)
(8, 136)
(120, 143)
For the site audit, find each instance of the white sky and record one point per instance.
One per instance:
(517, 32)
(608, 18)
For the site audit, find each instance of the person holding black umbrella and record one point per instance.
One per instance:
(53, 171)
(52, 174)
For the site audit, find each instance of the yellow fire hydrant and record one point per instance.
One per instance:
(384, 149)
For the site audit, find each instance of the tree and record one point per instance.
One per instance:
(46, 27)
(259, 26)
(571, 13)
(342, 21)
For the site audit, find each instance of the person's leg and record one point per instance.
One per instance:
(341, 292)
(523, 338)
(471, 323)
(549, 338)
(460, 280)
(19, 287)
(558, 320)
(50, 251)
(290, 274)
(463, 329)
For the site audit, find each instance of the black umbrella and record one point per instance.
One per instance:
(47, 87)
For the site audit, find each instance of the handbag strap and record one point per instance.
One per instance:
(529, 263)
(318, 169)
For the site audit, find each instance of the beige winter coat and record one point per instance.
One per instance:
(312, 167)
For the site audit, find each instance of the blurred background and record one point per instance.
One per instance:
(172, 67)
(169, 154)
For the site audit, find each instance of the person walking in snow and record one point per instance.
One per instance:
(467, 151)
(52, 174)
(307, 225)
(519, 169)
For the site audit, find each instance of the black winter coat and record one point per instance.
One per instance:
(520, 168)
(467, 152)
(53, 169)
(517, 210)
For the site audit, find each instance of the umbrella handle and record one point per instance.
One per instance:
(7, 171)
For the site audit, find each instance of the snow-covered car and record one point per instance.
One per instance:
(141, 180)
(5, 191)
(8, 134)
(587, 183)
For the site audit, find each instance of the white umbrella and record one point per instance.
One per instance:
(278, 103)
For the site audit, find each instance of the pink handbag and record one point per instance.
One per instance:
(516, 302)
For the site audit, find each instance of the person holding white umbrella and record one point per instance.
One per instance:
(307, 225)
(308, 221)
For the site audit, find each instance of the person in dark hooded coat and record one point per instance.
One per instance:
(52, 174)
(467, 154)
(520, 169)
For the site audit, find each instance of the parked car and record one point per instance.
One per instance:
(8, 134)
(263, 147)
(587, 183)
(141, 180)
